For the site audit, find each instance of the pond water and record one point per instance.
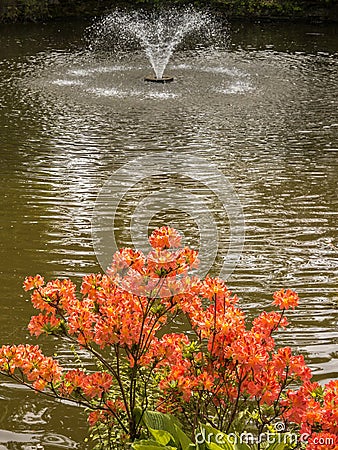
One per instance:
(263, 111)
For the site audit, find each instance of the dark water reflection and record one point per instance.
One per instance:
(265, 112)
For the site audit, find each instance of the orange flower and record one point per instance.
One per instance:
(164, 238)
(33, 282)
(127, 258)
(286, 299)
(220, 364)
(29, 359)
(43, 324)
(96, 384)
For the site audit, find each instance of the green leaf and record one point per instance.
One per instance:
(277, 446)
(165, 429)
(223, 441)
(242, 446)
(185, 441)
(193, 447)
(160, 421)
(150, 445)
(217, 437)
(137, 446)
(154, 420)
(137, 412)
(148, 442)
(226, 445)
(162, 437)
(211, 432)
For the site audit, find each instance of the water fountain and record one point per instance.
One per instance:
(71, 117)
(158, 33)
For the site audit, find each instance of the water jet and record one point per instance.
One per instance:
(158, 33)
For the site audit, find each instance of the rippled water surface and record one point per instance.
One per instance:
(264, 111)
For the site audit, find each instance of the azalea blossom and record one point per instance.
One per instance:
(220, 366)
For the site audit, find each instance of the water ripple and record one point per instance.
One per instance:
(266, 116)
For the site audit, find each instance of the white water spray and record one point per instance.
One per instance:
(158, 33)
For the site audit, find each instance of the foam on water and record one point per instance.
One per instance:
(237, 87)
(162, 95)
(232, 72)
(94, 70)
(67, 82)
(98, 78)
(111, 92)
(119, 93)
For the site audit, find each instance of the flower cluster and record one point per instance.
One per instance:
(92, 385)
(316, 408)
(29, 361)
(221, 370)
(236, 365)
(285, 299)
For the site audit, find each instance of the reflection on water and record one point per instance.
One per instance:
(264, 112)
(29, 424)
(29, 441)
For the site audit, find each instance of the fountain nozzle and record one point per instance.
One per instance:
(154, 79)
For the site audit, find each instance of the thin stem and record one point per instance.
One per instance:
(234, 411)
(55, 395)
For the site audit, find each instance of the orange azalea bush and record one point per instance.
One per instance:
(224, 371)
